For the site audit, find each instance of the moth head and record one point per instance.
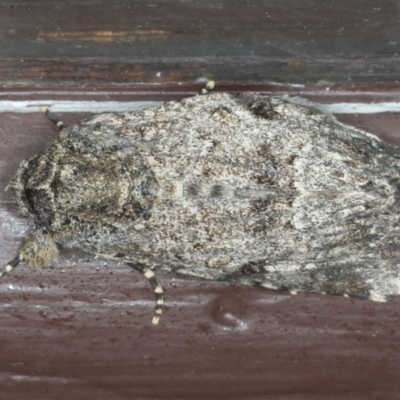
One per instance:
(18, 183)
(31, 189)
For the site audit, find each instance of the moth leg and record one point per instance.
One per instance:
(158, 290)
(208, 88)
(151, 277)
(59, 124)
(10, 266)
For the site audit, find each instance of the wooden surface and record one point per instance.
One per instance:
(125, 41)
(81, 328)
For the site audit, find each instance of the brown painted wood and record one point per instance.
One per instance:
(81, 329)
(122, 41)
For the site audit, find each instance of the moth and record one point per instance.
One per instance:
(237, 187)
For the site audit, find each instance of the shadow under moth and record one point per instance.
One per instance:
(243, 188)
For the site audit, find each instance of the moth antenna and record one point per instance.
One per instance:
(157, 288)
(58, 123)
(10, 266)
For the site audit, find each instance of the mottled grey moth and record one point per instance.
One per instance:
(244, 188)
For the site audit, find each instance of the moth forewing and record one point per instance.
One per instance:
(243, 188)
